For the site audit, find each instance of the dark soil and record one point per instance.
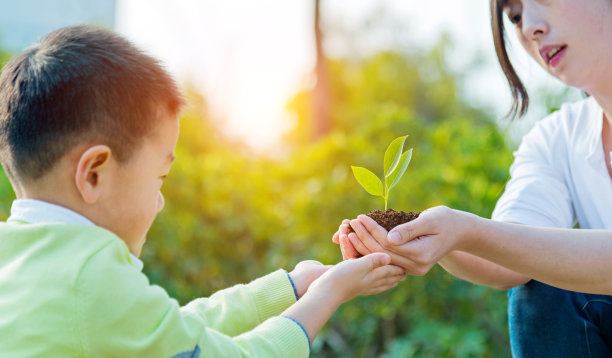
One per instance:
(391, 218)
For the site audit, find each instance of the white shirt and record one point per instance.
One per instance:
(40, 212)
(559, 175)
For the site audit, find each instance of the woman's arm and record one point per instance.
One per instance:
(370, 237)
(572, 259)
(480, 271)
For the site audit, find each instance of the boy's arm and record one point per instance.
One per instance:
(253, 303)
(118, 313)
(257, 301)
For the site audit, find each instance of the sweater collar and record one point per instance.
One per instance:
(39, 212)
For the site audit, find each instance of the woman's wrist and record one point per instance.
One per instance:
(471, 232)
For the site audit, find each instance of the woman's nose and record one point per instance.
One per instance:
(533, 24)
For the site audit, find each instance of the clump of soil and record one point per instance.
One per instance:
(391, 218)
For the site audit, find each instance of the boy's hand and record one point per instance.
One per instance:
(305, 273)
(364, 276)
(367, 275)
(341, 238)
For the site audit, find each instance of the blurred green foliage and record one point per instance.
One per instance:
(232, 215)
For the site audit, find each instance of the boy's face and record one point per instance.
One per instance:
(135, 197)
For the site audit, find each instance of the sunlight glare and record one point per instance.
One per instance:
(248, 58)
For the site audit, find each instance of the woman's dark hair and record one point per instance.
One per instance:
(79, 85)
(520, 98)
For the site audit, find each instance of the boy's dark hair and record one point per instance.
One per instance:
(78, 85)
(520, 98)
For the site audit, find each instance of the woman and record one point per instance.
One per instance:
(561, 176)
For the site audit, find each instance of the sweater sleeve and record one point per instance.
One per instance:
(255, 302)
(118, 313)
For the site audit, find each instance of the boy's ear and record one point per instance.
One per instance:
(92, 163)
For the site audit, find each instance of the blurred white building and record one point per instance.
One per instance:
(22, 22)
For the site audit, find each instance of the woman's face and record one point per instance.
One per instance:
(571, 39)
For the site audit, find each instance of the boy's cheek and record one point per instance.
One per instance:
(136, 246)
(160, 202)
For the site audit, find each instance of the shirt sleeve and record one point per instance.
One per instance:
(537, 193)
(118, 313)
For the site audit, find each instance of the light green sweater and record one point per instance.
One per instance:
(71, 291)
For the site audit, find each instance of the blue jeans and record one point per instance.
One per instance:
(549, 322)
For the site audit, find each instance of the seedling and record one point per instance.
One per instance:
(395, 165)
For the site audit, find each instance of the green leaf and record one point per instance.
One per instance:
(368, 180)
(392, 155)
(400, 169)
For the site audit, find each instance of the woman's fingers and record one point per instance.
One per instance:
(348, 250)
(365, 244)
(336, 237)
(365, 237)
(414, 256)
(342, 248)
(378, 232)
(426, 224)
(358, 245)
(342, 229)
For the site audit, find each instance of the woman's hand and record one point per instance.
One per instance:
(418, 245)
(341, 238)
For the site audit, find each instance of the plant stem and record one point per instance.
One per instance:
(386, 196)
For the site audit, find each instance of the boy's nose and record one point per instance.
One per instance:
(160, 201)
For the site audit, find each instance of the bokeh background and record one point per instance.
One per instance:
(283, 97)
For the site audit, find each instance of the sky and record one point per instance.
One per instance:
(23, 22)
(249, 58)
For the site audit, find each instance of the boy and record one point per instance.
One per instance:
(88, 126)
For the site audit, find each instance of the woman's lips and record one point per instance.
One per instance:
(552, 55)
